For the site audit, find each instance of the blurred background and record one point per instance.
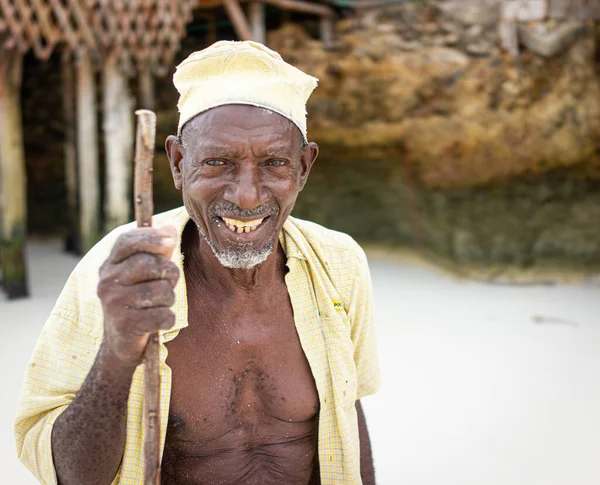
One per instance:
(459, 146)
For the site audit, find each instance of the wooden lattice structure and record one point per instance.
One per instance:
(141, 34)
(122, 38)
(137, 32)
(41, 25)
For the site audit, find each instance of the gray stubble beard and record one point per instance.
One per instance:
(244, 258)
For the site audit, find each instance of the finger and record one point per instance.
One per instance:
(148, 320)
(144, 240)
(152, 320)
(143, 267)
(151, 294)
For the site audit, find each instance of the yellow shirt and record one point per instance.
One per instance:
(330, 290)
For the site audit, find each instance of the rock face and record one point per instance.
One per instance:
(461, 121)
(431, 136)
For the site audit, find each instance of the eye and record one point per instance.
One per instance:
(215, 162)
(276, 162)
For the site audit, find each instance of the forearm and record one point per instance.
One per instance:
(367, 469)
(88, 438)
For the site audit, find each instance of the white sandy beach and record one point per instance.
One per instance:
(483, 385)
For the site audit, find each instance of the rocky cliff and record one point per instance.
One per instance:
(432, 136)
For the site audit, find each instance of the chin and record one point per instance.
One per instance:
(243, 259)
(238, 254)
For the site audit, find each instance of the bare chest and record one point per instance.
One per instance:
(241, 385)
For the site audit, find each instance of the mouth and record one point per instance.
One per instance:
(242, 227)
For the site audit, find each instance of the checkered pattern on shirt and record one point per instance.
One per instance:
(330, 290)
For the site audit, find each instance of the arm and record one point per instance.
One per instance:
(367, 469)
(88, 438)
(136, 290)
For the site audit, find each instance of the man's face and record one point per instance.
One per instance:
(240, 172)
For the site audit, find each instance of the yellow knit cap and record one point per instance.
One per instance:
(242, 73)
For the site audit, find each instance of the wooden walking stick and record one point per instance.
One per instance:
(144, 207)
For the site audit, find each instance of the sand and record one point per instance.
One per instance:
(483, 385)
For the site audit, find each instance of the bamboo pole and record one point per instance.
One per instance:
(68, 86)
(118, 133)
(13, 178)
(87, 153)
(257, 21)
(144, 153)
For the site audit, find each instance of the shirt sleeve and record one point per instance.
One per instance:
(62, 358)
(363, 335)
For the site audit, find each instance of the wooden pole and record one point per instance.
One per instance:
(68, 85)
(238, 19)
(13, 178)
(118, 133)
(211, 35)
(87, 153)
(144, 207)
(146, 86)
(257, 21)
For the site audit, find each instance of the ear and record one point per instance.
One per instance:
(175, 154)
(307, 158)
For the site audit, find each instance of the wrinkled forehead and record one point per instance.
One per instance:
(238, 123)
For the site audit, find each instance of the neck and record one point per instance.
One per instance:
(204, 268)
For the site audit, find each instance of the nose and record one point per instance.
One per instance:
(246, 191)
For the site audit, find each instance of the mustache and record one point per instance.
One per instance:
(229, 209)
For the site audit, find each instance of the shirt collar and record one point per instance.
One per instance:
(292, 240)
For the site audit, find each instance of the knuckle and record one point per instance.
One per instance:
(173, 270)
(101, 289)
(164, 286)
(121, 242)
(168, 320)
(145, 260)
(144, 292)
(105, 292)
(153, 319)
(103, 269)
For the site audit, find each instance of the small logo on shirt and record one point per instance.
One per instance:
(337, 304)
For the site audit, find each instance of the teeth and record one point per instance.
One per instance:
(235, 222)
(241, 226)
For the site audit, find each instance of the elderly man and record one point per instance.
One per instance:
(267, 338)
